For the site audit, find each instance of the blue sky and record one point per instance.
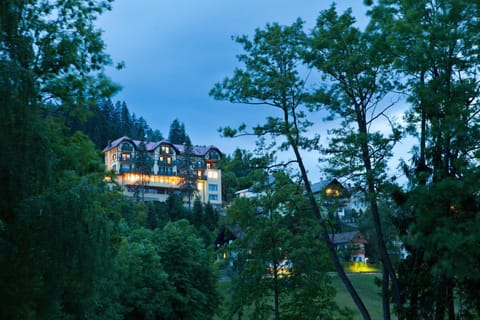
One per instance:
(176, 50)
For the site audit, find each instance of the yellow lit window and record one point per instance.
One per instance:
(332, 192)
(213, 174)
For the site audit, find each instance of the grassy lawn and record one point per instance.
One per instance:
(363, 283)
(366, 288)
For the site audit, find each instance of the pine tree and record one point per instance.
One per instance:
(270, 77)
(177, 133)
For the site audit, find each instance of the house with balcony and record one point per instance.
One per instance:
(155, 169)
(351, 244)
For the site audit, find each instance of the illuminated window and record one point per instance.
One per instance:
(213, 174)
(332, 192)
(114, 156)
(126, 156)
(165, 149)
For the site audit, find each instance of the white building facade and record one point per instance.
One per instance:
(163, 176)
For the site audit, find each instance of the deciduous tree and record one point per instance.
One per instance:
(55, 209)
(190, 271)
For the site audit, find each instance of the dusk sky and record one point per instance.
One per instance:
(176, 50)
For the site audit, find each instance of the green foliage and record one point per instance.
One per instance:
(143, 165)
(359, 82)
(360, 78)
(278, 261)
(59, 221)
(436, 51)
(187, 172)
(52, 270)
(71, 246)
(177, 133)
(105, 121)
(272, 75)
(145, 289)
(240, 171)
(175, 208)
(190, 271)
(388, 212)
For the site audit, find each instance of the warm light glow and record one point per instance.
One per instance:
(152, 178)
(361, 267)
(165, 149)
(332, 192)
(454, 208)
(200, 186)
(212, 174)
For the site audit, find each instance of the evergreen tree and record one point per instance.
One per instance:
(358, 85)
(270, 76)
(143, 167)
(177, 133)
(435, 44)
(187, 172)
(175, 208)
(240, 171)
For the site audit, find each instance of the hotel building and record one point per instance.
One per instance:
(163, 176)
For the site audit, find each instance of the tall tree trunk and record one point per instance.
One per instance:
(385, 295)
(417, 257)
(276, 297)
(372, 195)
(450, 301)
(330, 245)
(275, 265)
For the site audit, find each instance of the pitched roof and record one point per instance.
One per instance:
(323, 184)
(319, 186)
(346, 237)
(151, 146)
(196, 150)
